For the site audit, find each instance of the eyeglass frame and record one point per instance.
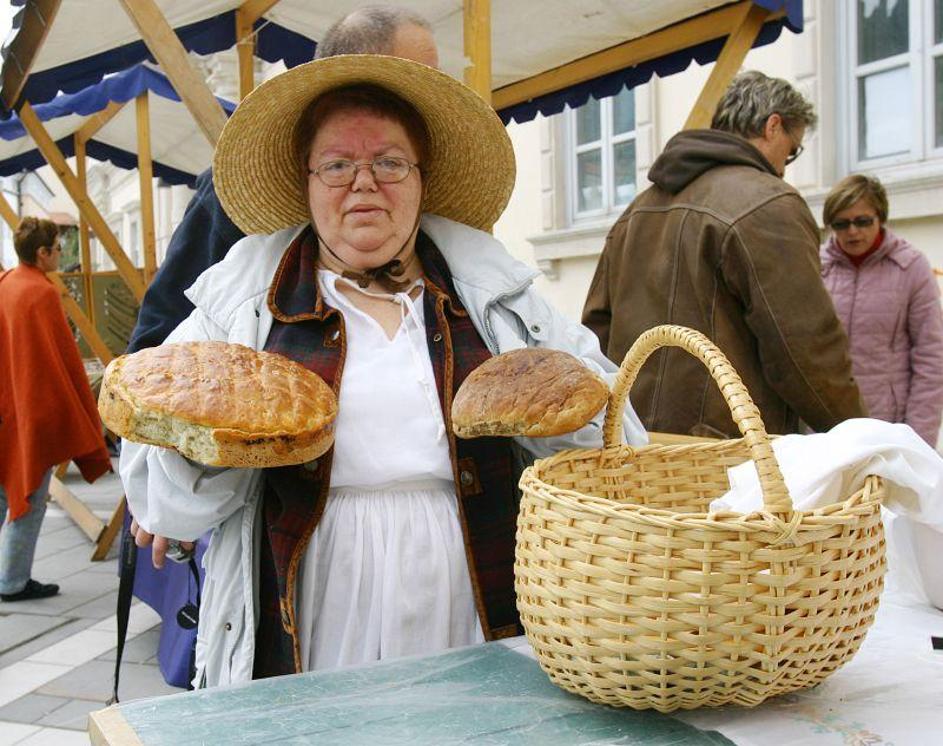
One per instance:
(862, 221)
(364, 164)
(797, 148)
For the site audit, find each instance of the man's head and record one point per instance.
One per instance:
(36, 242)
(381, 29)
(767, 112)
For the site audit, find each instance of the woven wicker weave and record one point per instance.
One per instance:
(632, 594)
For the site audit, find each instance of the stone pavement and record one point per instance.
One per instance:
(57, 655)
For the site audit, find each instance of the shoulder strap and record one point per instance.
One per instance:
(128, 563)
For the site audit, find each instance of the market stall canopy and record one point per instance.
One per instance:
(179, 149)
(70, 45)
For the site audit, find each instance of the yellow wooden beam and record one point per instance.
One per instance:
(79, 196)
(112, 529)
(705, 27)
(22, 52)
(728, 62)
(8, 213)
(86, 328)
(246, 16)
(146, 174)
(166, 48)
(85, 243)
(84, 518)
(477, 45)
(97, 121)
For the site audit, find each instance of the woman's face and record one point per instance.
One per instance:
(365, 223)
(856, 239)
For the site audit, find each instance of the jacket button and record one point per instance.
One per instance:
(437, 337)
(535, 328)
(311, 465)
(466, 478)
(335, 335)
(228, 627)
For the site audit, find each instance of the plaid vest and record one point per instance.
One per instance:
(309, 331)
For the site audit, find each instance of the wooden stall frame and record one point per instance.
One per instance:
(146, 183)
(79, 195)
(476, 36)
(246, 16)
(165, 45)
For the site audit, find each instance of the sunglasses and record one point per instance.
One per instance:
(864, 221)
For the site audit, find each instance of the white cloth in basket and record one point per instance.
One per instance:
(826, 468)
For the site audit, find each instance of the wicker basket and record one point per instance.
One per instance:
(632, 594)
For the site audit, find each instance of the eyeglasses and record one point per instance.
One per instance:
(862, 221)
(386, 169)
(797, 148)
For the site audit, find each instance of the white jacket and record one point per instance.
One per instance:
(171, 496)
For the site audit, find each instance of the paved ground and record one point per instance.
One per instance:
(57, 655)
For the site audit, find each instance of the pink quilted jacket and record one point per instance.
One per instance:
(890, 307)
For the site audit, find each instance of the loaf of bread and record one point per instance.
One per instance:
(532, 392)
(219, 404)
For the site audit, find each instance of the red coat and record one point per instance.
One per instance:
(47, 410)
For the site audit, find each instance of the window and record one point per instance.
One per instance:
(897, 83)
(602, 155)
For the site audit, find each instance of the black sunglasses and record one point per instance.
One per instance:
(864, 221)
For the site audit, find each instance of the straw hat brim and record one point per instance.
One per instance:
(470, 171)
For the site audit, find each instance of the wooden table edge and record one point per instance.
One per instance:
(109, 728)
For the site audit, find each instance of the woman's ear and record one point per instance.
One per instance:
(774, 123)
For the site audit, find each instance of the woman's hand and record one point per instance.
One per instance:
(160, 545)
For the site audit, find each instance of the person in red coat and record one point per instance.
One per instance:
(47, 409)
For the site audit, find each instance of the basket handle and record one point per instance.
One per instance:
(745, 414)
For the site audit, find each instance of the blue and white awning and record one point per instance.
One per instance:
(90, 38)
(179, 149)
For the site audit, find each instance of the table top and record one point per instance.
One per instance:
(891, 692)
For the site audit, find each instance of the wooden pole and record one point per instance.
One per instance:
(23, 50)
(167, 49)
(728, 62)
(246, 16)
(477, 44)
(85, 246)
(146, 175)
(76, 191)
(97, 121)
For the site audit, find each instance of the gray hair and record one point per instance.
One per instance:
(753, 97)
(368, 30)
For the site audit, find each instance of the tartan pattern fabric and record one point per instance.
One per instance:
(309, 331)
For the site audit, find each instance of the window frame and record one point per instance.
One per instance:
(606, 144)
(919, 59)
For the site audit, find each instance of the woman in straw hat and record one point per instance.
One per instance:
(365, 185)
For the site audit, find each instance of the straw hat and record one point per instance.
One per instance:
(469, 176)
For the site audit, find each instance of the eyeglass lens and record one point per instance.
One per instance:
(860, 222)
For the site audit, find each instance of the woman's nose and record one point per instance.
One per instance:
(364, 178)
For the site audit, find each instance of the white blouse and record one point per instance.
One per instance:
(385, 574)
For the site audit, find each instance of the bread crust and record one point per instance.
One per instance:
(220, 404)
(532, 392)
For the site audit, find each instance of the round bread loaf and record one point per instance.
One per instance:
(219, 404)
(533, 392)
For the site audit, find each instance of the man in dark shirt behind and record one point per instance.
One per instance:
(206, 233)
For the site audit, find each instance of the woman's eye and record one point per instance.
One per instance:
(335, 167)
(387, 164)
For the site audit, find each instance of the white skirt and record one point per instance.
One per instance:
(385, 575)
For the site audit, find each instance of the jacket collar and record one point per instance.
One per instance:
(295, 294)
(892, 248)
(474, 258)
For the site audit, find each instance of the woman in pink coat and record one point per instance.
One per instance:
(887, 297)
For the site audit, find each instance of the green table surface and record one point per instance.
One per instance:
(486, 694)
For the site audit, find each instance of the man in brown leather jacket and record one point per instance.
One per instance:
(721, 244)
